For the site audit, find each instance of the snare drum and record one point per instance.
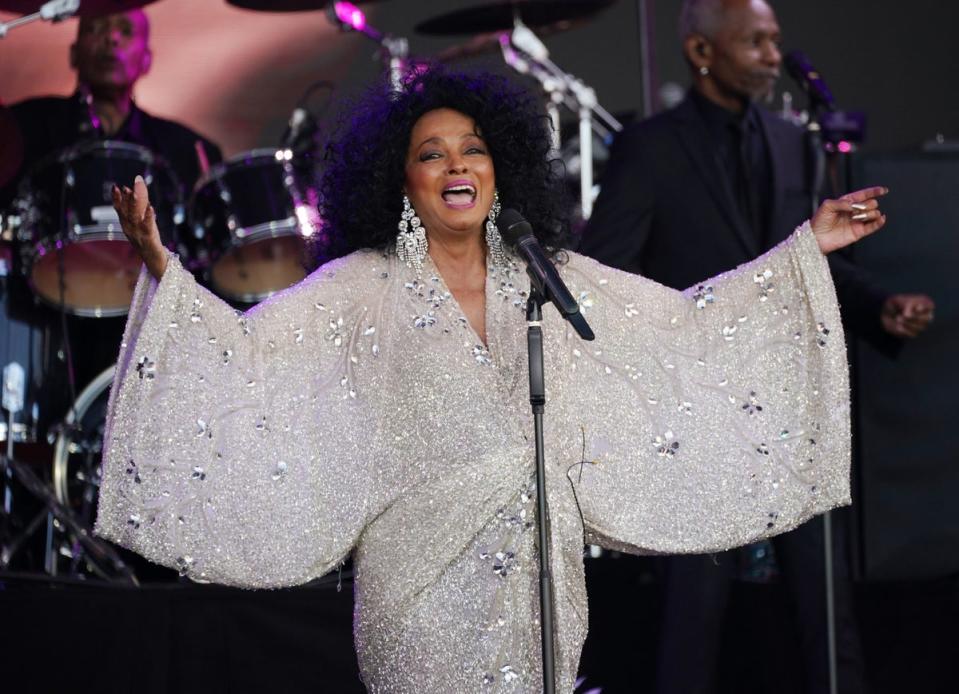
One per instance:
(74, 252)
(250, 220)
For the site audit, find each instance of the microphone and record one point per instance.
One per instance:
(300, 126)
(517, 232)
(809, 79)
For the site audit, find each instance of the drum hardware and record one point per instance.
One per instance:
(495, 17)
(510, 25)
(9, 223)
(53, 11)
(58, 10)
(394, 50)
(92, 127)
(97, 555)
(524, 52)
(302, 128)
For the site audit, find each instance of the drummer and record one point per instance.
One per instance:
(110, 54)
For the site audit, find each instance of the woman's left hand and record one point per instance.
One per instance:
(838, 223)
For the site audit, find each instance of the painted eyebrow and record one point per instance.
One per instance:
(439, 139)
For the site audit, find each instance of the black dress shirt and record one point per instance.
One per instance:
(738, 143)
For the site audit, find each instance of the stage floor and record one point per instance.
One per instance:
(183, 638)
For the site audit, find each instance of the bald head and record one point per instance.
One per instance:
(137, 20)
(112, 51)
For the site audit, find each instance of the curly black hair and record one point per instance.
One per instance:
(361, 188)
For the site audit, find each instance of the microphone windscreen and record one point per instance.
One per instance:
(512, 225)
(808, 78)
(797, 65)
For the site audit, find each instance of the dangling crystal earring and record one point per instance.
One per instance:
(411, 243)
(494, 242)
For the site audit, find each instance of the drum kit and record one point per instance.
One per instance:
(66, 269)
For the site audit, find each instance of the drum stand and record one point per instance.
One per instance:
(527, 54)
(98, 555)
(394, 49)
(53, 11)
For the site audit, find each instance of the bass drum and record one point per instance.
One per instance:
(74, 252)
(77, 472)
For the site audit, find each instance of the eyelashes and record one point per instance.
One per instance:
(428, 156)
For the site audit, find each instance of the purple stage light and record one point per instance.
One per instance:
(350, 14)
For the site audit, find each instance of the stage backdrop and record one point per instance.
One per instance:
(908, 478)
(235, 75)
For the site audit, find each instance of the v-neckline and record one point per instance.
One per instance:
(485, 344)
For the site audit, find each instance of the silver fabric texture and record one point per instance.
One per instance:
(358, 412)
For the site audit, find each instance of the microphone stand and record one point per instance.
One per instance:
(537, 399)
(817, 174)
(541, 291)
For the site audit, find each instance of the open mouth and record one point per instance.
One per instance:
(459, 194)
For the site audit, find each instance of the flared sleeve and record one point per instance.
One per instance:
(229, 452)
(708, 418)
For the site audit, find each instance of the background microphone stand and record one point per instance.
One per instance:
(817, 174)
(820, 100)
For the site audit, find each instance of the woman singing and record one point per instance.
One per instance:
(380, 407)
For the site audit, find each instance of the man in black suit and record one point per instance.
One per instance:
(691, 193)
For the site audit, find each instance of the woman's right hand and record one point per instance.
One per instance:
(139, 224)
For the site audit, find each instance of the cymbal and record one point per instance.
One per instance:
(482, 44)
(500, 16)
(285, 5)
(88, 8)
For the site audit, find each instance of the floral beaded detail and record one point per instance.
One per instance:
(337, 427)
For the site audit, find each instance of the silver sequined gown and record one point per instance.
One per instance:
(359, 412)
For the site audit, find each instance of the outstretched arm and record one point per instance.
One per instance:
(706, 419)
(840, 223)
(219, 459)
(139, 224)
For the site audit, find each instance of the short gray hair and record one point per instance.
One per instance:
(700, 17)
